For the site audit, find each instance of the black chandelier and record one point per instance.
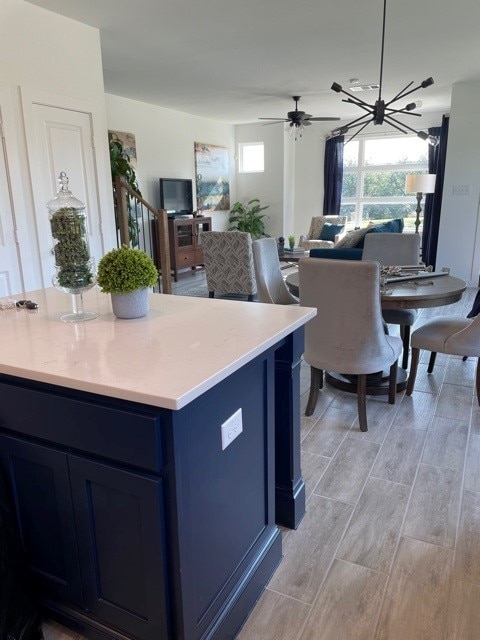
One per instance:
(382, 111)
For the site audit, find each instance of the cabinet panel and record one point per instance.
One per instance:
(75, 423)
(119, 519)
(185, 246)
(38, 480)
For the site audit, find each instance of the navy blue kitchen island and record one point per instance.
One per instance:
(137, 519)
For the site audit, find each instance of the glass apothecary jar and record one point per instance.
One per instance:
(73, 262)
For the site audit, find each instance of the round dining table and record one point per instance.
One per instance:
(433, 291)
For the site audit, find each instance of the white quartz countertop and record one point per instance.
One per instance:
(184, 346)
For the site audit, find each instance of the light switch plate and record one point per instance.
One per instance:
(461, 190)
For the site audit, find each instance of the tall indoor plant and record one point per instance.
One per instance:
(248, 217)
(121, 166)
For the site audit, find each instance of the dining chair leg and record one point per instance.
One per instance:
(316, 383)
(406, 345)
(211, 294)
(431, 362)
(392, 384)
(362, 401)
(477, 380)
(413, 370)
(250, 297)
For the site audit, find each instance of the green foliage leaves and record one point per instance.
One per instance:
(72, 257)
(120, 166)
(125, 270)
(246, 217)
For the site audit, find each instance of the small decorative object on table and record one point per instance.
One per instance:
(73, 263)
(281, 246)
(291, 241)
(126, 274)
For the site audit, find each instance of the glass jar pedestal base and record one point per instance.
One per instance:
(79, 314)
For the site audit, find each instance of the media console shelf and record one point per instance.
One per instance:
(185, 249)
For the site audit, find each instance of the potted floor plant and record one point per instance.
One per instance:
(127, 274)
(248, 217)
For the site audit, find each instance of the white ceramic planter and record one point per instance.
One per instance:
(130, 305)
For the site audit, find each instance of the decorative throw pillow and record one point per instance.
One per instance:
(329, 231)
(353, 238)
(391, 226)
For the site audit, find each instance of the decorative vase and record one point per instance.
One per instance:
(128, 306)
(73, 263)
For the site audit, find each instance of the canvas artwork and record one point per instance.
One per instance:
(128, 143)
(212, 178)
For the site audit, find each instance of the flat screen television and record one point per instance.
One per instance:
(176, 196)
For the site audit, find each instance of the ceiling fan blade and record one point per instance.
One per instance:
(306, 116)
(323, 119)
(279, 119)
(265, 124)
(306, 123)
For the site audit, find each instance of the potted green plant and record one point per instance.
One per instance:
(248, 217)
(291, 241)
(126, 274)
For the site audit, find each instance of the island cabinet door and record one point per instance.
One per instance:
(38, 480)
(120, 531)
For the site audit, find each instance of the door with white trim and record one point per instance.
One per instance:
(61, 139)
(10, 267)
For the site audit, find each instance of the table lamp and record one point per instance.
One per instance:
(419, 183)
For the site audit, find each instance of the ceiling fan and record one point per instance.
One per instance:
(298, 119)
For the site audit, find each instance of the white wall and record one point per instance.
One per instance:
(41, 50)
(164, 140)
(267, 186)
(459, 237)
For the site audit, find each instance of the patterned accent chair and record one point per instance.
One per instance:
(312, 241)
(228, 259)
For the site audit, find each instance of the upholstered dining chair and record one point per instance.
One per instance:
(446, 334)
(347, 334)
(270, 283)
(393, 249)
(228, 259)
(312, 239)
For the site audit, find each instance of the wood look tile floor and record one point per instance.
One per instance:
(390, 546)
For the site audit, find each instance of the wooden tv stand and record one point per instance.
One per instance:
(185, 249)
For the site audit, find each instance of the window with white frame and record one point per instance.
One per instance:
(374, 171)
(251, 157)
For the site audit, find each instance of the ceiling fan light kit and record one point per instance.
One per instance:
(381, 111)
(297, 120)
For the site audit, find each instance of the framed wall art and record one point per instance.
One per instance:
(128, 143)
(212, 177)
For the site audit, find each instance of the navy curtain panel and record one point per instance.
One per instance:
(433, 202)
(333, 175)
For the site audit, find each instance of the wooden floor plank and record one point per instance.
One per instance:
(372, 535)
(348, 606)
(416, 600)
(348, 471)
(380, 416)
(309, 550)
(433, 510)
(461, 372)
(467, 556)
(313, 467)
(463, 619)
(416, 411)
(400, 453)
(446, 443)
(472, 467)
(275, 616)
(328, 433)
(455, 401)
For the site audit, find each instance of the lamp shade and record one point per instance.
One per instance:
(420, 183)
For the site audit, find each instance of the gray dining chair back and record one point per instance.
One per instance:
(347, 334)
(393, 249)
(271, 287)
